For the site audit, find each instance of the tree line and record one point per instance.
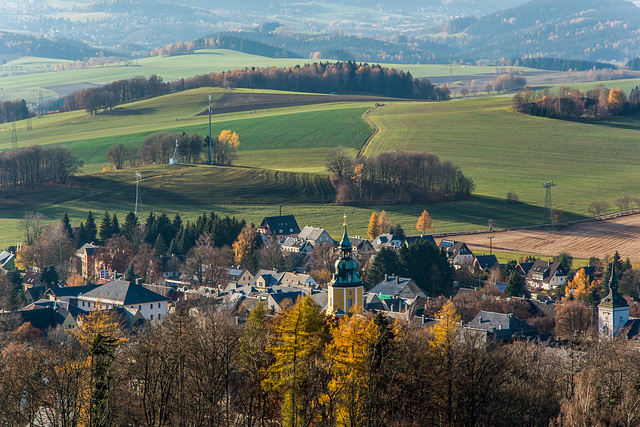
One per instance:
(159, 148)
(396, 176)
(11, 111)
(562, 64)
(301, 368)
(570, 103)
(317, 77)
(31, 167)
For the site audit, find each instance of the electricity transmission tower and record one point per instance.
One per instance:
(138, 196)
(548, 206)
(29, 125)
(14, 136)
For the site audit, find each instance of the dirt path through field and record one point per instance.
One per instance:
(375, 127)
(582, 240)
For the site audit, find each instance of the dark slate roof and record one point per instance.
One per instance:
(426, 237)
(548, 269)
(31, 278)
(57, 305)
(486, 261)
(279, 298)
(397, 286)
(41, 318)
(589, 270)
(70, 291)
(313, 233)
(453, 248)
(125, 293)
(359, 244)
(89, 248)
(500, 324)
(526, 266)
(281, 224)
(35, 292)
(372, 302)
(548, 307)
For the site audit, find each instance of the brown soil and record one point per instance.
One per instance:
(237, 102)
(597, 238)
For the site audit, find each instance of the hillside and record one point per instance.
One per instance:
(503, 151)
(590, 30)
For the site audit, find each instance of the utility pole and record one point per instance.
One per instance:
(14, 136)
(210, 157)
(490, 244)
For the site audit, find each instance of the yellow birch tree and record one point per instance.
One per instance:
(580, 285)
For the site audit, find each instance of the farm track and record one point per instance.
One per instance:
(598, 238)
(375, 127)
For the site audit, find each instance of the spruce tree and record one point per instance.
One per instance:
(81, 236)
(115, 225)
(516, 286)
(129, 274)
(66, 226)
(90, 228)
(173, 248)
(105, 232)
(160, 246)
(129, 226)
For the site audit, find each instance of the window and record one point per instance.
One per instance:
(151, 306)
(140, 307)
(159, 316)
(151, 317)
(350, 302)
(159, 305)
(83, 303)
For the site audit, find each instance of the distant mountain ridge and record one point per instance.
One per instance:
(592, 30)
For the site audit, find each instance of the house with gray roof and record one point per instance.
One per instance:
(7, 260)
(67, 293)
(117, 293)
(278, 302)
(397, 287)
(362, 247)
(297, 245)
(545, 275)
(269, 278)
(485, 263)
(458, 253)
(315, 235)
(502, 326)
(386, 240)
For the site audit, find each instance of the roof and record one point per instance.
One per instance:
(486, 261)
(281, 297)
(548, 270)
(493, 322)
(89, 248)
(547, 308)
(455, 248)
(285, 224)
(124, 293)
(425, 237)
(359, 244)
(70, 291)
(386, 239)
(5, 257)
(31, 278)
(56, 305)
(313, 233)
(235, 274)
(395, 286)
(41, 318)
(372, 302)
(526, 266)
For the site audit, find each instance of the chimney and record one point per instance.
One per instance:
(397, 279)
(386, 277)
(480, 320)
(423, 319)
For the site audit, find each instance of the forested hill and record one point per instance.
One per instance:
(591, 30)
(59, 48)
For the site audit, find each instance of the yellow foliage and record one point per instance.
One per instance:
(374, 226)
(349, 357)
(383, 222)
(580, 285)
(95, 323)
(245, 244)
(616, 99)
(25, 258)
(231, 139)
(424, 222)
(447, 330)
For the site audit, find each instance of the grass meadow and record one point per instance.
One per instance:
(503, 151)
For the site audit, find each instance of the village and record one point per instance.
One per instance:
(526, 299)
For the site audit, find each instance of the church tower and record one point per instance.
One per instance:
(613, 310)
(345, 289)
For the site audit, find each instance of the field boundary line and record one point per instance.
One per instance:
(376, 129)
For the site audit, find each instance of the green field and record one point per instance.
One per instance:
(268, 137)
(504, 151)
(29, 73)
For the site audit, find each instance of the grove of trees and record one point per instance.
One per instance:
(396, 176)
(31, 167)
(569, 103)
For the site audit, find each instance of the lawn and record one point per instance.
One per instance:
(503, 151)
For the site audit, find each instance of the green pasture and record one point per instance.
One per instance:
(23, 77)
(625, 85)
(268, 138)
(248, 193)
(503, 151)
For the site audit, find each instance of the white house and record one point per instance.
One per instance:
(118, 293)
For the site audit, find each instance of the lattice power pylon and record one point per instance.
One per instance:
(14, 136)
(29, 125)
(547, 214)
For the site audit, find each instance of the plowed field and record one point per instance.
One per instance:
(597, 238)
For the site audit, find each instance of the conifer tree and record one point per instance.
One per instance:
(516, 286)
(66, 226)
(424, 223)
(173, 248)
(295, 346)
(115, 225)
(383, 222)
(374, 228)
(160, 246)
(129, 274)
(129, 226)
(106, 230)
(90, 228)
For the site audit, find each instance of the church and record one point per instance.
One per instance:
(346, 290)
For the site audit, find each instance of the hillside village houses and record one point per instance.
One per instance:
(239, 291)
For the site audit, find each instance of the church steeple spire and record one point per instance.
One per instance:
(345, 289)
